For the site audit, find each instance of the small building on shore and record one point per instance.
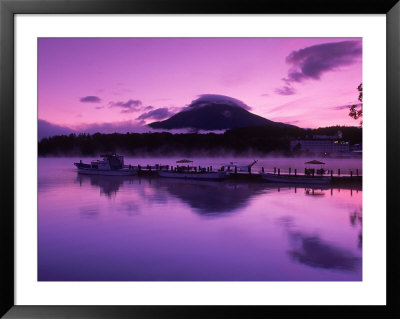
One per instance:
(321, 144)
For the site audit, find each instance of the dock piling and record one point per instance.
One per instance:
(295, 171)
(338, 171)
(290, 170)
(279, 171)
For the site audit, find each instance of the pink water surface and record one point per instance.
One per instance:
(94, 228)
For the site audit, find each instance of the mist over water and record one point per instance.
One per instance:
(109, 228)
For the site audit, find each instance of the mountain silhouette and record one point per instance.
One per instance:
(215, 112)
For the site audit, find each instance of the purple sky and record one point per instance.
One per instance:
(120, 84)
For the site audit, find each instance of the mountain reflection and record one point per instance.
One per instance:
(208, 198)
(109, 185)
(211, 198)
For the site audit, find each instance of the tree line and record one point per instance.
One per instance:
(260, 140)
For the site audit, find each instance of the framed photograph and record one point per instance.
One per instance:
(165, 159)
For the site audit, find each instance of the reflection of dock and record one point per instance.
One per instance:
(343, 181)
(108, 185)
(347, 181)
(209, 198)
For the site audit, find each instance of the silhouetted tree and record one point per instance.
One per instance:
(356, 109)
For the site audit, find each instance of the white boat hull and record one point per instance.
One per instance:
(119, 172)
(193, 175)
(296, 179)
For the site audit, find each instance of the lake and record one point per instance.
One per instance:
(109, 228)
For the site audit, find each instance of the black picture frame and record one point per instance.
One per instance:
(9, 8)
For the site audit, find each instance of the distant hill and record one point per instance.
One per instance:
(215, 112)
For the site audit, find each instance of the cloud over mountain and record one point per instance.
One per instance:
(214, 112)
(206, 99)
(157, 114)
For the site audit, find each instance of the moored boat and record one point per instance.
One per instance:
(111, 164)
(311, 176)
(232, 167)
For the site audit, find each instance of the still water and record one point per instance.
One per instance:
(109, 228)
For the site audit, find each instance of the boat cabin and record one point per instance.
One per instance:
(232, 167)
(109, 161)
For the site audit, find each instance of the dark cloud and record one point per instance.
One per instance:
(128, 106)
(90, 99)
(311, 62)
(47, 129)
(285, 90)
(148, 108)
(157, 114)
(99, 107)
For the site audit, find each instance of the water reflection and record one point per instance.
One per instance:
(211, 198)
(314, 252)
(89, 212)
(109, 185)
(207, 198)
(311, 250)
(356, 221)
(95, 228)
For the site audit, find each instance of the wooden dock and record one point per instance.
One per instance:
(337, 181)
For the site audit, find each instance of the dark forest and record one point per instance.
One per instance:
(248, 141)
